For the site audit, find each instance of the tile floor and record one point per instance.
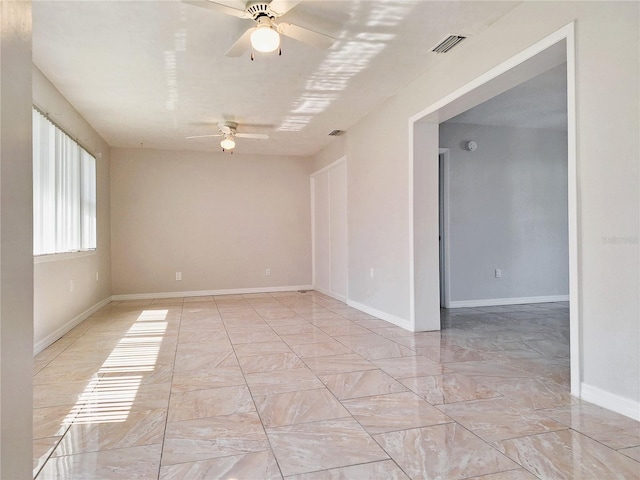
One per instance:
(299, 385)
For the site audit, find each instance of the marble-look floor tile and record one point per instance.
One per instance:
(633, 452)
(210, 403)
(42, 449)
(385, 469)
(213, 437)
(309, 447)
(311, 350)
(205, 379)
(340, 330)
(298, 407)
(612, 429)
(112, 429)
(192, 358)
(258, 465)
(57, 394)
(303, 338)
(364, 383)
(350, 362)
(200, 335)
(406, 367)
(395, 411)
(52, 421)
(519, 474)
(486, 369)
(532, 392)
(567, 454)
(253, 336)
(448, 388)
(449, 354)
(446, 451)
(499, 418)
(281, 381)
(136, 462)
(296, 329)
(388, 349)
(61, 374)
(261, 348)
(270, 363)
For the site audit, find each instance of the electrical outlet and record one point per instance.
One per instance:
(498, 273)
(371, 272)
(267, 272)
(97, 277)
(72, 286)
(178, 275)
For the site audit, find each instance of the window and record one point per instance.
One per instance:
(64, 191)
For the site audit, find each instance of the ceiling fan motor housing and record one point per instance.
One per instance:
(260, 9)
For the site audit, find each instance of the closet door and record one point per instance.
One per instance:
(329, 204)
(321, 233)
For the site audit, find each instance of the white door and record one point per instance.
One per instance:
(329, 214)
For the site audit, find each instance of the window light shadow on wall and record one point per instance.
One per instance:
(110, 394)
(348, 57)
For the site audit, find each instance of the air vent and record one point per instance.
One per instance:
(336, 133)
(448, 43)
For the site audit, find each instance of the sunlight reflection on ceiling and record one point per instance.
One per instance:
(346, 59)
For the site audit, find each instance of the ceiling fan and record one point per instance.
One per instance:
(265, 35)
(228, 132)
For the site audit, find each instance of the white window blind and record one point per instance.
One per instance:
(64, 191)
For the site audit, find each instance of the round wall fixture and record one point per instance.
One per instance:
(471, 146)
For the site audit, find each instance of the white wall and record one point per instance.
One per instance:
(219, 219)
(508, 211)
(607, 69)
(16, 252)
(56, 307)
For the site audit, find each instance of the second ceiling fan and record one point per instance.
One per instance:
(264, 36)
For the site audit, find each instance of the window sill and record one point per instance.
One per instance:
(56, 257)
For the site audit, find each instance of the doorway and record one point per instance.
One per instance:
(423, 171)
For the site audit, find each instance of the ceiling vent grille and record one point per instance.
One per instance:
(336, 133)
(448, 43)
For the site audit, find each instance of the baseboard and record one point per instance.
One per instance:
(330, 294)
(491, 302)
(610, 401)
(397, 321)
(60, 331)
(202, 293)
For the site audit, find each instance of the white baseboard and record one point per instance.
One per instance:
(330, 294)
(202, 293)
(60, 331)
(397, 321)
(610, 401)
(491, 302)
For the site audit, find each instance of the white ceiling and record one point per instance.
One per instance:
(149, 73)
(537, 103)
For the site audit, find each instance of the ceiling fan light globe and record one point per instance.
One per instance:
(265, 39)
(227, 143)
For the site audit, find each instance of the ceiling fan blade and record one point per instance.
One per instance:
(259, 136)
(202, 136)
(305, 35)
(280, 7)
(219, 7)
(242, 44)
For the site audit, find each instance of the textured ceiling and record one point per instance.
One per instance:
(149, 73)
(537, 103)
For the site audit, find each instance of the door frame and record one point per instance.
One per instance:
(469, 95)
(312, 176)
